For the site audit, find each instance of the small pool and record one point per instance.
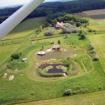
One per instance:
(55, 70)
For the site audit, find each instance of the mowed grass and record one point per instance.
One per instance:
(24, 89)
(26, 28)
(98, 25)
(97, 98)
(6, 51)
(98, 42)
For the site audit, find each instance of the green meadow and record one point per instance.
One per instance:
(87, 85)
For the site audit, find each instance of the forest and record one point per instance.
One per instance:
(54, 7)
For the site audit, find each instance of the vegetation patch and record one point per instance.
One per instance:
(39, 74)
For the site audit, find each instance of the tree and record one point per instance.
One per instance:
(67, 92)
(16, 56)
(67, 18)
(59, 42)
(68, 28)
(82, 35)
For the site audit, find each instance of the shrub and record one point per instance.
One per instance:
(78, 24)
(16, 56)
(65, 17)
(59, 42)
(90, 47)
(67, 92)
(82, 37)
(95, 57)
(16, 65)
(68, 28)
(91, 30)
(92, 53)
(49, 33)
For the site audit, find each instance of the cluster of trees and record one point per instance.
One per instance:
(69, 92)
(92, 53)
(16, 56)
(55, 7)
(6, 12)
(16, 61)
(68, 28)
(82, 35)
(67, 18)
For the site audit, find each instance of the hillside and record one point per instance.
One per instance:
(52, 7)
(95, 14)
(26, 28)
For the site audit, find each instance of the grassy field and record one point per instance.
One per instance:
(99, 42)
(26, 28)
(85, 99)
(28, 85)
(94, 14)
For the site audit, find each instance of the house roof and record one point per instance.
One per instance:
(59, 24)
(41, 53)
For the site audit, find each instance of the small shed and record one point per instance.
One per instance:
(24, 59)
(56, 47)
(41, 53)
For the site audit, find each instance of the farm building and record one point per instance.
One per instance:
(56, 47)
(59, 25)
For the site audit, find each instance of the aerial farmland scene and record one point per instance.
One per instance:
(52, 52)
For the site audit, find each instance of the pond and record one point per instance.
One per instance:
(55, 70)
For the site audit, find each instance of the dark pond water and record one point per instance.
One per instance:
(55, 70)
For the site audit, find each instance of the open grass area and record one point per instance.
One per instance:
(99, 43)
(84, 99)
(26, 28)
(28, 85)
(7, 51)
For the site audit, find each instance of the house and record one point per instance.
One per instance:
(59, 25)
(56, 47)
(41, 53)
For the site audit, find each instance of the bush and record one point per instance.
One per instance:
(91, 30)
(78, 24)
(59, 42)
(68, 28)
(16, 65)
(16, 56)
(65, 17)
(92, 53)
(95, 57)
(82, 37)
(67, 92)
(90, 47)
(49, 33)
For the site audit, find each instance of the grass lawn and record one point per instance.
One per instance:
(7, 51)
(23, 88)
(99, 43)
(28, 85)
(26, 28)
(96, 98)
